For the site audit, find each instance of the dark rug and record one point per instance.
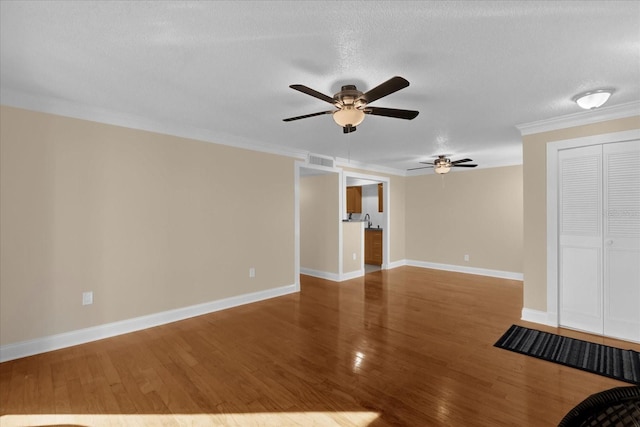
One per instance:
(612, 362)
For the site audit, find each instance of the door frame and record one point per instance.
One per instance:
(553, 148)
(386, 197)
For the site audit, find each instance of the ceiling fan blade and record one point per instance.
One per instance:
(290, 119)
(394, 84)
(455, 162)
(465, 166)
(427, 163)
(423, 167)
(348, 129)
(314, 93)
(392, 112)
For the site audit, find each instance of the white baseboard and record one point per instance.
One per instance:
(320, 274)
(81, 336)
(396, 264)
(469, 270)
(423, 264)
(351, 275)
(332, 276)
(537, 316)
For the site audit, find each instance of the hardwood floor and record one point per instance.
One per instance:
(407, 346)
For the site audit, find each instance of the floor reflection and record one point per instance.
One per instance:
(375, 304)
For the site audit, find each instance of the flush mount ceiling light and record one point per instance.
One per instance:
(593, 99)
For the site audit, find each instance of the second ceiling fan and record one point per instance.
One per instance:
(352, 104)
(443, 164)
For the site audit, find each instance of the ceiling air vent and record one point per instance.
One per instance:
(316, 159)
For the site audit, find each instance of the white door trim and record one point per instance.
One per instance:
(552, 207)
(386, 197)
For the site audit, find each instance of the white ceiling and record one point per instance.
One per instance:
(220, 70)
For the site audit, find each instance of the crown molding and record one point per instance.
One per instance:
(581, 119)
(66, 108)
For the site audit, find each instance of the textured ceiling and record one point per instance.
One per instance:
(220, 71)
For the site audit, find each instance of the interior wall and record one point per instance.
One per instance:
(397, 206)
(535, 201)
(319, 222)
(352, 242)
(148, 222)
(475, 212)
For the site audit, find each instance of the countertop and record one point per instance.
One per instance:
(366, 228)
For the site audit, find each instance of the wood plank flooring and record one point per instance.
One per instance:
(405, 347)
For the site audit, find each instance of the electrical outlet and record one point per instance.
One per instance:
(87, 298)
(355, 256)
(466, 257)
(252, 272)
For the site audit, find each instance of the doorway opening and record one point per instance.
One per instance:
(374, 212)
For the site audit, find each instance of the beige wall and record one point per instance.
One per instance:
(535, 203)
(352, 241)
(147, 222)
(476, 212)
(319, 222)
(397, 208)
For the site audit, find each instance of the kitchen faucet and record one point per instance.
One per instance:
(368, 219)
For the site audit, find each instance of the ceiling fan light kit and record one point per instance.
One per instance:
(348, 116)
(442, 166)
(593, 99)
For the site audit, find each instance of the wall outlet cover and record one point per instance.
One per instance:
(87, 298)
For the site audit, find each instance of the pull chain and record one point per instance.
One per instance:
(349, 147)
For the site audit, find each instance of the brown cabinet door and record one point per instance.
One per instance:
(373, 247)
(380, 204)
(354, 199)
(376, 251)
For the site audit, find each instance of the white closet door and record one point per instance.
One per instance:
(621, 165)
(580, 246)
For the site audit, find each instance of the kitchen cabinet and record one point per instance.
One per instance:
(354, 199)
(380, 204)
(373, 246)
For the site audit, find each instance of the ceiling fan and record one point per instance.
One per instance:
(352, 104)
(443, 164)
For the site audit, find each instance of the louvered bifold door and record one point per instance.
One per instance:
(621, 167)
(580, 246)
